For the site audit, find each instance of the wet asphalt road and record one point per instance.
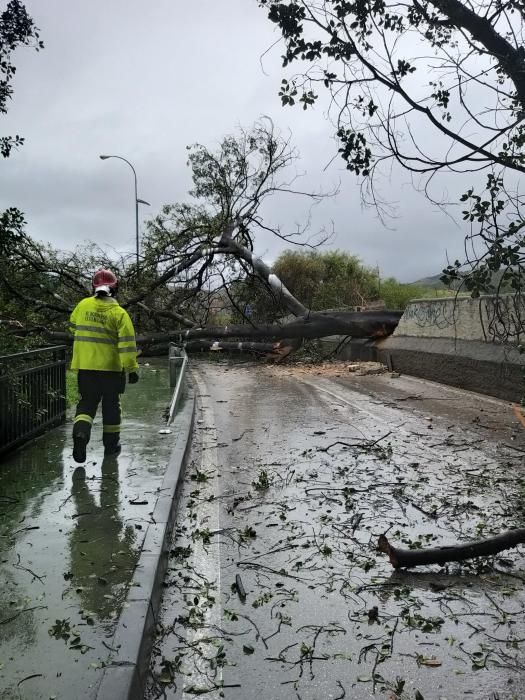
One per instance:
(268, 497)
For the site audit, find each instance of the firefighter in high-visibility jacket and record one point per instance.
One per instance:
(104, 349)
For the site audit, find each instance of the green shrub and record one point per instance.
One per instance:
(72, 395)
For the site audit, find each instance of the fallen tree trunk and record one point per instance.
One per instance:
(408, 558)
(228, 244)
(160, 350)
(277, 351)
(229, 346)
(365, 324)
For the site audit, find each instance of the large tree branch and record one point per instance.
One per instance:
(166, 277)
(395, 86)
(511, 59)
(229, 244)
(408, 558)
(173, 315)
(36, 304)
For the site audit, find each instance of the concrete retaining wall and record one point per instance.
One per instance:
(487, 319)
(464, 342)
(491, 369)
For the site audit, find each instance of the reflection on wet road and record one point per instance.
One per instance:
(275, 588)
(68, 548)
(102, 547)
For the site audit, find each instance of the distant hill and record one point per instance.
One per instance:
(432, 282)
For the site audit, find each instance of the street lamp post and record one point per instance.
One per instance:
(137, 202)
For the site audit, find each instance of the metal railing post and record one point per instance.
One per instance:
(178, 361)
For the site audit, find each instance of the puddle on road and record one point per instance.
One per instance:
(68, 548)
(325, 615)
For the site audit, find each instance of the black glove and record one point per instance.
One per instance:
(133, 378)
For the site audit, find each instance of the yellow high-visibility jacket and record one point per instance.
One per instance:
(104, 336)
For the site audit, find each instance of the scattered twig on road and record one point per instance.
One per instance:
(362, 445)
(239, 587)
(19, 612)
(248, 430)
(22, 529)
(258, 634)
(27, 678)
(24, 568)
(340, 697)
(261, 567)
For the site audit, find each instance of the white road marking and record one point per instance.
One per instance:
(340, 398)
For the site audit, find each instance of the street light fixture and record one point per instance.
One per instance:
(137, 202)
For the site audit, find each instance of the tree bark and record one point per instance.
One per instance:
(365, 324)
(408, 558)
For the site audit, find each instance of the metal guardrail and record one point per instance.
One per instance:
(32, 394)
(178, 362)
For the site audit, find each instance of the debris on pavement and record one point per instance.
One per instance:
(325, 469)
(332, 368)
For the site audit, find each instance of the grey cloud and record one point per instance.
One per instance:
(143, 80)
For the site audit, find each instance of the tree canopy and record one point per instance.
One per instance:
(193, 251)
(199, 264)
(16, 29)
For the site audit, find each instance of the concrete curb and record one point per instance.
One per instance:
(125, 677)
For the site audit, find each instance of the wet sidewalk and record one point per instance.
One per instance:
(68, 548)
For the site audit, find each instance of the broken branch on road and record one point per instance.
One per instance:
(408, 558)
(363, 445)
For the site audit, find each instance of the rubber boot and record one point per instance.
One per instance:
(111, 443)
(81, 433)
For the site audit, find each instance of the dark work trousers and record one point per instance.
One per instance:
(94, 386)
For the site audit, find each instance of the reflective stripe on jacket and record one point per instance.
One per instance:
(104, 337)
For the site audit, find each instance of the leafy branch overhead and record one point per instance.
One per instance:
(435, 87)
(16, 29)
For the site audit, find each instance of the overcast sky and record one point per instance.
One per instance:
(144, 80)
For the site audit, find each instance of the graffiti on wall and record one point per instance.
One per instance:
(437, 314)
(493, 319)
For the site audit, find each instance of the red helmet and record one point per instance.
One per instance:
(104, 278)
